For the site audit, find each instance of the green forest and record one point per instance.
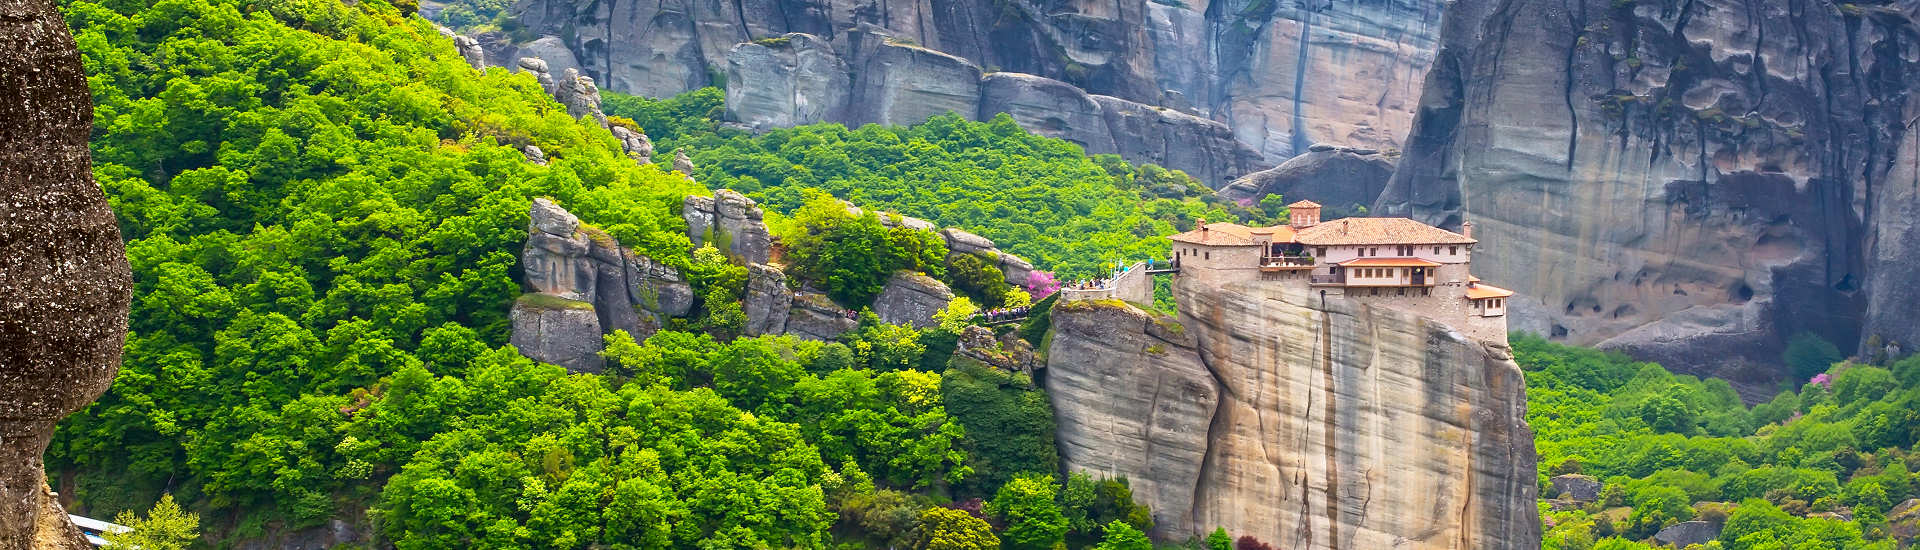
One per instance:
(1820, 468)
(324, 207)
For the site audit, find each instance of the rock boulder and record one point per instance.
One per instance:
(813, 316)
(1687, 533)
(732, 223)
(1579, 488)
(911, 298)
(768, 300)
(580, 283)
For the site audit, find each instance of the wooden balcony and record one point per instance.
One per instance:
(1286, 263)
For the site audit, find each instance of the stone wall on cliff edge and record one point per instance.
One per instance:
(1281, 75)
(1305, 423)
(1692, 184)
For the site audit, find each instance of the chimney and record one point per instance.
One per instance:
(1466, 229)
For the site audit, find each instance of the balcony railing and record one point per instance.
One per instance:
(1319, 279)
(1286, 261)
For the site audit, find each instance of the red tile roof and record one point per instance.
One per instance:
(1482, 291)
(1365, 231)
(1304, 204)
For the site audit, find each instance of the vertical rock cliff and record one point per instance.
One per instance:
(1691, 181)
(1305, 423)
(64, 282)
(1281, 75)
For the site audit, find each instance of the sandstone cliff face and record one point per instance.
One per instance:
(1690, 182)
(1306, 424)
(1279, 75)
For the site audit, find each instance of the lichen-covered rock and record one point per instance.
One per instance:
(1580, 488)
(555, 330)
(1132, 400)
(1008, 353)
(684, 165)
(1339, 178)
(814, 316)
(959, 241)
(580, 95)
(1687, 533)
(1903, 522)
(569, 267)
(1303, 422)
(768, 300)
(657, 287)
(732, 223)
(470, 50)
(65, 284)
(534, 154)
(635, 144)
(911, 298)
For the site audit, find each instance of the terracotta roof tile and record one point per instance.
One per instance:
(1481, 291)
(1351, 231)
(1218, 234)
(1304, 204)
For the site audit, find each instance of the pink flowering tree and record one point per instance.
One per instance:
(1041, 284)
(1823, 380)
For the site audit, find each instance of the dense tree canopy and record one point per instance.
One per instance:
(1674, 448)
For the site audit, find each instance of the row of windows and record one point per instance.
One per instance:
(1403, 251)
(1402, 291)
(1494, 303)
(1177, 254)
(1375, 272)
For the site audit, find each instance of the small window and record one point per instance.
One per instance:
(1403, 291)
(1208, 256)
(1373, 252)
(1321, 251)
(1453, 250)
(1436, 250)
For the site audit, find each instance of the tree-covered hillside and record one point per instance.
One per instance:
(1821, 468)
(324, 207)
(1040, 198)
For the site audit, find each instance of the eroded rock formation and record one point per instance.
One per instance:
(1278, 75)
(1305, 423)
(64, 281)
(580, 284)
(1339, 178)
(911, 298)
(800, 79)
(1693, 183)
(731, 222)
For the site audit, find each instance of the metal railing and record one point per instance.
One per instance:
(1319, 279)
(1286, 261)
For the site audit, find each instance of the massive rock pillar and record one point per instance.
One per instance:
(64, 280)
(1306, 422)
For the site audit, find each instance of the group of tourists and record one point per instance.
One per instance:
(1005, 314)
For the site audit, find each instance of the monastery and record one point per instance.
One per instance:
(1397, 262)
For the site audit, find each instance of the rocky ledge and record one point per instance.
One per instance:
(1305, 423)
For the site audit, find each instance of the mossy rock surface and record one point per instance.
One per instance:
(548, 301)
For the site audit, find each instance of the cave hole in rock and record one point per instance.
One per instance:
(1740, 293)
(1558, 332)
(1625, 310)
(1846, 284)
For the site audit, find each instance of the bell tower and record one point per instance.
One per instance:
(1303, 214)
